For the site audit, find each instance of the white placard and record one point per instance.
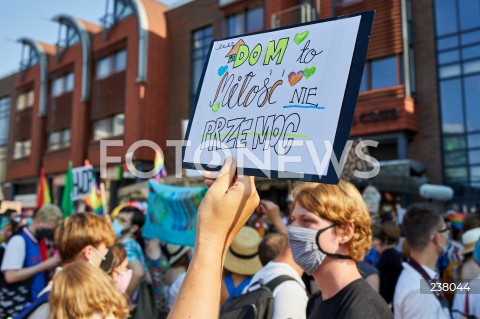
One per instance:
(273, 100)
(82, 182)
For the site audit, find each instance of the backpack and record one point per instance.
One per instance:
(255, 304)
(33, 306)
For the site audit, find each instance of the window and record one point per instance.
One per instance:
(59, 139)
(4, 119)
(201, 40)
(28, 58)
(62, 84)
(451, 105)
(382, 73)
(111, 64)
(67, 36)
(122, 9)
(446, 16)
(249, 21)
(109, 127)
(25, 99)
(22, 149)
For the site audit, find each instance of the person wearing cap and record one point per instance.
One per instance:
(467, 303)
(241, 263)
(25, 262)
(178, 259)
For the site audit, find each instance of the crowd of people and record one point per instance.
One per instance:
(330, 260)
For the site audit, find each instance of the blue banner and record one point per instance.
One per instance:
(172, 213)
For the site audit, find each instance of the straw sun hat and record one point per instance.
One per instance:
(242, 255)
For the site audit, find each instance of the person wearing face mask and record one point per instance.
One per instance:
(329, 232)
(128, 228)
(25, 261)
(120, 273)
(80, 238)
(427, 235)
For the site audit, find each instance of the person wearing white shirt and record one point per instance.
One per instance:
(427, 235)
(290, 297)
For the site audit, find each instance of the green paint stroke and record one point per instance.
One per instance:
(294, 135)
(216, 106)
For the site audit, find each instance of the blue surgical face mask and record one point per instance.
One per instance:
(118, 228)
(28, 221)
(306, 249)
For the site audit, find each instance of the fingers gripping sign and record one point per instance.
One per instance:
(227, 205)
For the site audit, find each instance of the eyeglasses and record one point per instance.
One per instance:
(446, 229)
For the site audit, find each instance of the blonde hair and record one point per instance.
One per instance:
(81, 290)
(80, 230)
(340, 204)
(49, 213)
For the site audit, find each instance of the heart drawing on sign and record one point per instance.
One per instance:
(294, 78)
(299, 37)
(309, 71)
(222, 70)
(216, 106)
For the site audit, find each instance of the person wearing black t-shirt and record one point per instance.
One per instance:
(329, 232)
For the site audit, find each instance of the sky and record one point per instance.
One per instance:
(32, 19)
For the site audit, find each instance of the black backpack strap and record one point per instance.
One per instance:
(272, 284)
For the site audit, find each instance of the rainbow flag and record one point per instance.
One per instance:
(43, 191)
(94, 199)
(159, 164)
(456, 220)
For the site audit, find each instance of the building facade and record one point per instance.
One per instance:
(135, 76)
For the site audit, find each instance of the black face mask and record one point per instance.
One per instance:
(46, 233)
(107, 262)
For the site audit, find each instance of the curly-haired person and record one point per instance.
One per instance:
(329, 232)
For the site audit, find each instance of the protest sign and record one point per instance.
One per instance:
(372, 197)
(281, 102)
(172, 213)
(82, 182)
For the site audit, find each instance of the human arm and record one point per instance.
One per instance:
(224, 210)
(17, 275)
(272, 211)
(137, 275)
(374, 281)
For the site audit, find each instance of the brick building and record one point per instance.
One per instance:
(135, 77)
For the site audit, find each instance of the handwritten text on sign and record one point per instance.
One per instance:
(82, 182)
(274, 94)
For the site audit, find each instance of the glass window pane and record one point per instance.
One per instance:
(447, 43)
(57, 87)
(255, 19)
(448, 57)
(455, 158)
(471, 67)
(452, 143)
(120, 60)
(457, 174)
(451, 106)
(69, 82)
(27, 145)
(472, 102)
(30, 98)
(449, 71)
(4, 120)
(235, 25)
(383, 72)
(103, 68)
(72, 36)
(471, 52)
(54, 141)
(470, 37)
(445, 16)
(100, 129)
(474, 157)
(363, 85)
(475, 174)
(18, 150)
(469, 14)
(21, 101)
(66, 138)
(474, 140)
(118, 124)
